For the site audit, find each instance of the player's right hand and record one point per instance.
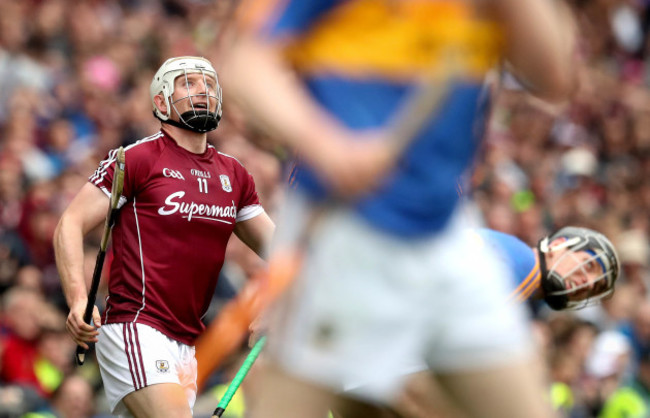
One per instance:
(81, 332)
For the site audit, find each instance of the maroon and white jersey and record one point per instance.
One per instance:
(178, 211)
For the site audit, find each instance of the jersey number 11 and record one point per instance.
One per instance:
(203, 185)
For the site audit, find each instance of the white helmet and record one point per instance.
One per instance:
(197, 119)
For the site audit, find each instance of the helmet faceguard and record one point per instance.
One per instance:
(560, 291)
(197, 119)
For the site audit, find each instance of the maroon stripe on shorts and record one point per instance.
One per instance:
(137, 342)
(128, 357)
(134, 356)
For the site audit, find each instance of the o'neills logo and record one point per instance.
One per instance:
(199, 173)
(190, 210)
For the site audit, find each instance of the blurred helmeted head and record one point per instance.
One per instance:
(579, 267)
(190, 92)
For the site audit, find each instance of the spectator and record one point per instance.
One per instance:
(631, 400)
(72, 399)
(20, 342)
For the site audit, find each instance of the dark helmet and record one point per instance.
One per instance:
(578, 239)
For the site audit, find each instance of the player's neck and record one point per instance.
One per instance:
(194, 142)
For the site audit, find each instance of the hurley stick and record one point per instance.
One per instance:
(116, 193)
(241, 374)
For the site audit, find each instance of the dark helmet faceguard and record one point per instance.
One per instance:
(578, 239)
(197, 119)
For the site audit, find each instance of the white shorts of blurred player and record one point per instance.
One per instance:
(370, 308)
(133, 356)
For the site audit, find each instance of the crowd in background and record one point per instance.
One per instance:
(74, 83)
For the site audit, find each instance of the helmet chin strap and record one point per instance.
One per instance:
(200, 121)
(196, 122)
(551, 281)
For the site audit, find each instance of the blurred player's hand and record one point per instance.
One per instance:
(257, 329)
(353, 166)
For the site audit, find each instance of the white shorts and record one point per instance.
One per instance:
(369, 308)
(133, 356)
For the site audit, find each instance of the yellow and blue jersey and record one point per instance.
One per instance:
(519, 258)
(361, 60)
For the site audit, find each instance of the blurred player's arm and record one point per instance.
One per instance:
(259, 79)
(261, 82)
(86, 211)
(256, 233)
(540, 42)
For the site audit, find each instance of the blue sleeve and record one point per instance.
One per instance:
(294, 17)
(519, 258)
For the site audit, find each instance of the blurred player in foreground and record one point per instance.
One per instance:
(572, 268)
(386, 274)
(181, 203)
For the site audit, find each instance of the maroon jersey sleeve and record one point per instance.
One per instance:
(103, 176)
(135, 168)
(249, 206)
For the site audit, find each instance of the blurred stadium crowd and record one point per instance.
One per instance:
(74, 80)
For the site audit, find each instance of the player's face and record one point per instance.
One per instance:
(194, 92)
(583, 274)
